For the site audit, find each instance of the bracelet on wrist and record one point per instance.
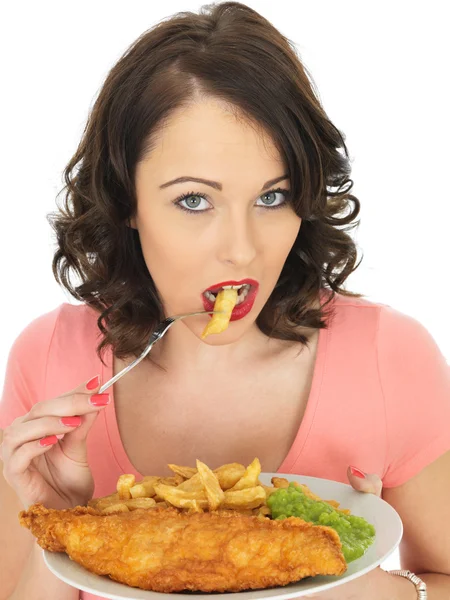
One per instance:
(421, 586)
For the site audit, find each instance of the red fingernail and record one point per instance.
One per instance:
(99, 399)
(93, 383)
(48, 441)
(357, 472)
(70, 421)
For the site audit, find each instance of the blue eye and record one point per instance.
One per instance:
(271, 198)
(193, 200)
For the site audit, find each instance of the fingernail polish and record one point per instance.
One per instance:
(48, 441)
(99, 399)
(357, 472)
(93, 383)
(71, 421)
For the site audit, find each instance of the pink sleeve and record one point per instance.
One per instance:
(26, 368)
(415, 380)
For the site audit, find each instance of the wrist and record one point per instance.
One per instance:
(394, 586)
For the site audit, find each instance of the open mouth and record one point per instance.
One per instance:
(247, 290)
(243, 291)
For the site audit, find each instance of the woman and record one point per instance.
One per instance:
(208, 159)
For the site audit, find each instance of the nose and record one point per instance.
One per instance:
(237, 240)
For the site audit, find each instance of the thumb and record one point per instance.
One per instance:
(369, 483)
(74, 442)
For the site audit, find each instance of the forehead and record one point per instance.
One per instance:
(206, 135)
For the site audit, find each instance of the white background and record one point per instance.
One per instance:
(381, 70)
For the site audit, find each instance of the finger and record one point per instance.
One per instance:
(369, 483)
(20, 460)
(74, 442)
(92, 386)
(27, 431)
(79, 401)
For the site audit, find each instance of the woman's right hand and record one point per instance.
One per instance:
(44, 452)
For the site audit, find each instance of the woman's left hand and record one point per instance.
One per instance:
(366, 587)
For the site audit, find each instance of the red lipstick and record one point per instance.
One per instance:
(240, 310)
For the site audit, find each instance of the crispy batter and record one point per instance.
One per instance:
(167, 550)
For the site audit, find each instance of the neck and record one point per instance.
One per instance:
(180, 352)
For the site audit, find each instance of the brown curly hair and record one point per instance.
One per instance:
(230, 52)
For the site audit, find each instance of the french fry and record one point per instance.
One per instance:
(115, 508)
(195, 508)
(280, 482)
(214, 492)
(225, 302)
(136, 503)
(193, 484)
(228, 475)
(174, 481)
(305, 489)
(100, 503)
(336, 505)
(250, 477)
(333, 503)
(124, 483)
(230, 487)
(185, 472)
(150, 478)
(262, 511)
(144, 489)
(181, 498)
(244, 499)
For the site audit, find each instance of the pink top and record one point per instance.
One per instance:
(380, 397)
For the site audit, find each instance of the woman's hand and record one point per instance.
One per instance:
(44, 452)
(366, 587)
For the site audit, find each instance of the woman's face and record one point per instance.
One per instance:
(231, 230)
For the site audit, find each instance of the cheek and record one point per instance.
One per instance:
(282, 236)
(162, 249)
(173, 258)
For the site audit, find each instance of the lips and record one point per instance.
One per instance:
(240, 310)
(216, 288)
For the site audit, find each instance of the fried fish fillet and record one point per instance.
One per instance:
(165, 550)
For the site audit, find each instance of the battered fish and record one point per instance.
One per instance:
(165, 550)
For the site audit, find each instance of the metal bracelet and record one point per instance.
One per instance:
(421, 586)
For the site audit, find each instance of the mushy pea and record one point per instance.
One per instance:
(356, 533)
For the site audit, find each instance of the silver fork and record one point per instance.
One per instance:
(156, 335)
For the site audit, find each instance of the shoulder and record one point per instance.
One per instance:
(40, 332)
(46, 357)
(75, 322)
(352, 320)
(405, 343)
(355, 305)
(391, 324)
(35, 336)
(397, 338)
(27, 366)
(62, 333)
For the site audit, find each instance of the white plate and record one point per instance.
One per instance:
(380, 514)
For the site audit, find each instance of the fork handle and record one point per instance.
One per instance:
(124, 371)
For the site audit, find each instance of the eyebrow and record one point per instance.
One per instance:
(215, 184)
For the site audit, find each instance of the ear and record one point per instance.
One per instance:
(132, 223)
